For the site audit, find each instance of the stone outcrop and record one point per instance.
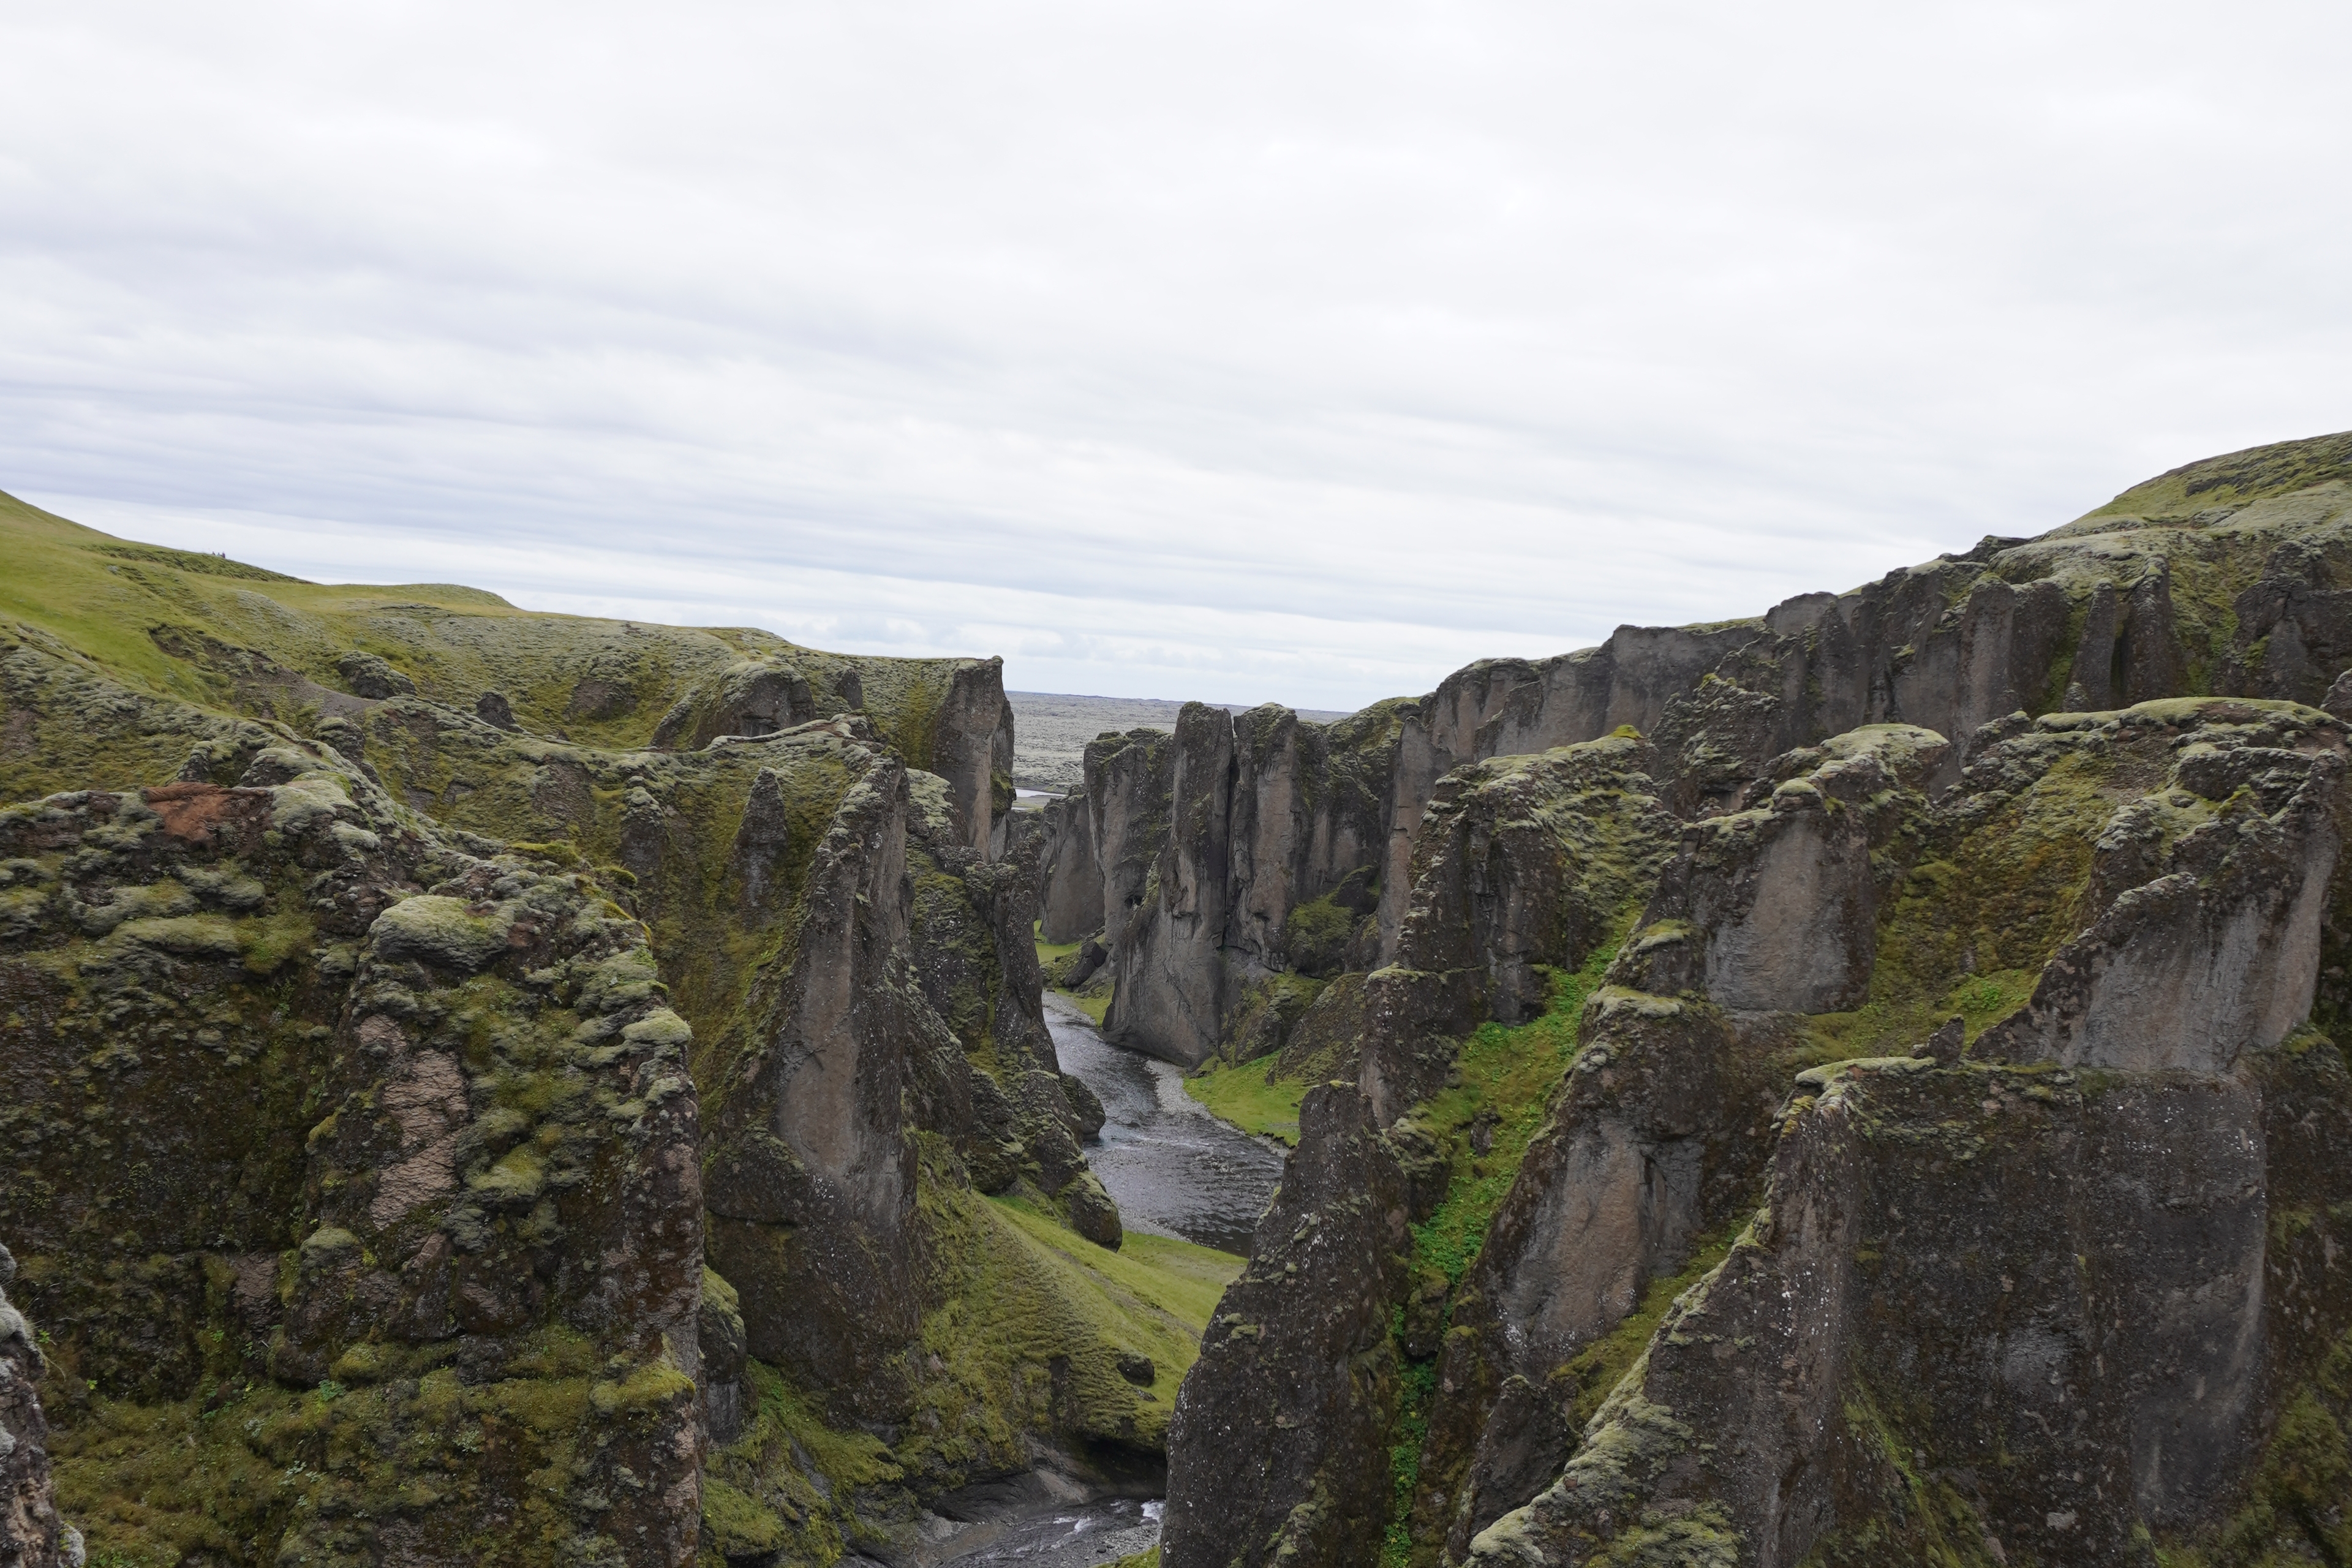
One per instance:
(1656, 1137)
(31, 1534)
(2149, 597)
(1564, 1422)
(1528, 861)
(1775, 909)
(1069, 878)
(1206, 842)
(2209, 895)
(1300, 1380)
(2008, 1276)
(2036, 1325)
(454, 1150)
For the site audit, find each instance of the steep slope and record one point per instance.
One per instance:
(2229, 577)
(2041, 1265)
(494, 947)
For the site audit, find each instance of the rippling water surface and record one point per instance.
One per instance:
(1079, 1536)
(1172, 1168)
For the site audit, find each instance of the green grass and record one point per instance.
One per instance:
(1175, 1277)
(1051, 951)
(1250, 1096)
(143, 615)
(1032, 1295)
(1095, 1000)
(1419, 1379)
(1509, 1072)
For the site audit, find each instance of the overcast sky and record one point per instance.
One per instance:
(1251, 351)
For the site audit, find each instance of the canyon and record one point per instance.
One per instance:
(1853, 1084)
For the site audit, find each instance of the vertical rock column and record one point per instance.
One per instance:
(31, 1536)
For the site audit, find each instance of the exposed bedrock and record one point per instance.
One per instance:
(1208, 842)
(31, 1534)
(1169, 961)
(1274, 1452)
(423, 1277)
(2207, 895)
(1542, 854)
(2139, 601)
(2155, 1344)
(1069, 878)
(444, 1158)
(1654, 1147)
(1659, 1134)
(811, 1179)
(1985, 1314)
(1528, 861)
(1775, 909)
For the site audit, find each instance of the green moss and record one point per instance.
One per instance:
(225, 1477)
(1507, 1076)
(1971, 927)
(789, 1483)
(646, 1387)
(1419, 1385)
(1919, 1516)
(2237, 477)
(1021, 1347)
(2295, 1507)
(1250, 1096)
(1316, 934)
(1593, 1373)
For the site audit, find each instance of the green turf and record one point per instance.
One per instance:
(1251, 1097)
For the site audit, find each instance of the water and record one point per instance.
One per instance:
(1172, 1168)
(1079, 1535)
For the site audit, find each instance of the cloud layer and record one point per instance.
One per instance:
(1235, 351)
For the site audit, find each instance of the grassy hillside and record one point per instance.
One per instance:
(238, 639)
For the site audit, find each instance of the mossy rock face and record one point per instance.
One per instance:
(1978, 1246)
(2011, 905)
(1528, 865)
(443, 976)
(29, 1526)
(346, 1148)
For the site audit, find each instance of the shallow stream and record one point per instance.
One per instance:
(1173, 1169)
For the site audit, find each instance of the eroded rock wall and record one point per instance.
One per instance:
(1552, 1417)
(2137, 602)
(1280, 1426)
(384, 1118)
(31, 1534)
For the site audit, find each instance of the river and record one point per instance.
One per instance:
(1173, 1169)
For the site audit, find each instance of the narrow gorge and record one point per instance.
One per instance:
(1856, 1085)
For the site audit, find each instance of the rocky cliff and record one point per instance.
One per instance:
(497, 1087)
(2222, 578)
(31, 1534)
(1885, 1110)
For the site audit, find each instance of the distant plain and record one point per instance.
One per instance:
(1051, 731)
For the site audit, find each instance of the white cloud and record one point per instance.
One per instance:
(1301, 352)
